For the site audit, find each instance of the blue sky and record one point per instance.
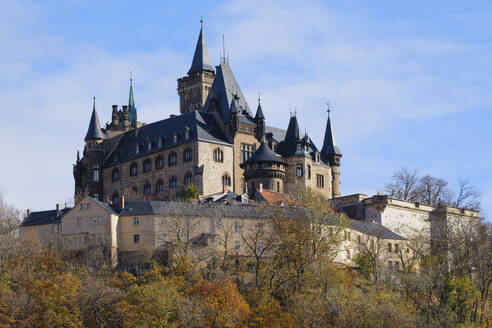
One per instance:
(409, 83)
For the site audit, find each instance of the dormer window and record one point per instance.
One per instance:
(149, 146)
(159, 142)
(299, 147)
(218, 155)
(137, 149)
(175, 137)
(187, 133)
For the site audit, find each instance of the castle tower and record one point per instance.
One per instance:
(264, 167)
(132, 110)
(260, 122)
(193, 89)
(331, 154)
(88, 171)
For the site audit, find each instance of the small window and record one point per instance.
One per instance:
(82, 207)
(159, 162)
(320, 181)
(218, 155)
(173, 159)
(389, 247)
(187, 155)
(187, 133)
(115, 175)
(99, 220)
(136, 239)
(137, 149)
(237, 246)
(149, 146)
(159, 186)
(80, 222)
(133, 169)
(94, 220)
(147, 190)
(55, 228)
(348, 254)
(173, 183)
(188, 179)
(260, 247)
(115, 199)
(147, 165)
(164, 238)
(163, 220)
(95, 195)
(396, 248)
(96, 172)
(136, 221)
(299, 170)
(175, 137)
(217, 223)
(159, 142)
(237, 227)
(226, 180)
(309, 171)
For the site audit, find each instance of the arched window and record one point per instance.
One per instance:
(173, 183)
(147, 165)
(226, 180)
(218, 155)
(188, 178)
(96, 172)
(159, 162)
(115, 175)
(187, 155)
(187, 133)
(173, 159)
(147, 190)
(159, 186)
(115, 199)
(133, 169)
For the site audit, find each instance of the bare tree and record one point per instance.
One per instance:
(467, 196)
(403, 184)
(225, 229)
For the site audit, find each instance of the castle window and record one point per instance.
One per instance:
(159, 186)
(147, 165)
(136, 221)
(237, 227)
(237, 246)
(348, 254)
(55, 228)
(159, 162)
(299, 170)
(389, 247)
(278, 186)
(137, 149)
(226, 180)
(218, 155)
(173, 182)
(80, 222)
(96, 172)
(309, 171)
(136, 239)
(320, 181)
(175, 137)
(159, 142)
(173, 159)
(187, 131)
(115, 175)
(115, 198)
(187, 155)
(95, 195)
(147, 189)
(188, 178)
(149, 146)
(133, 169)
(247, 151)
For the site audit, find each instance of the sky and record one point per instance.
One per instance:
(409, 82)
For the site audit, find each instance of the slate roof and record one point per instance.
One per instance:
(374, 229)
(277, 134)
(264, 154)
(94, 131)
(329, 145)
(201, 60)
(223, 89)
(259, 112)
(44, 217)
(288, 146)
(202, 126)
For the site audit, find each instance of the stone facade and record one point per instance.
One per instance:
(193, 90)
(314, 175)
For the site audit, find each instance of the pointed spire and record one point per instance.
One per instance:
(330, 149)
(132, 110)
(94, 130)
(201, 60)
(259, 110)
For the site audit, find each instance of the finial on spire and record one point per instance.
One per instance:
(328, 108)
(131, 77)
(94, 103)
(201, 21)
(259, 97)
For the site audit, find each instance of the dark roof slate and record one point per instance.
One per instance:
(94, 131)
(201, 60)
(374, 229)
(259, 112)
(202, 126)
(44, 217)
(223, 90)
(329, 145)
(264, 154)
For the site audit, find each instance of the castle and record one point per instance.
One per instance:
(216, 143)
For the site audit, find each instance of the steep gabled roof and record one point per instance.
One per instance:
(202, 126)
(259, 112)
(223, 90)
(201, 60)
(94, 131)
(44, 217)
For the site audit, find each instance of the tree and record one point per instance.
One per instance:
(403, 184)
(189, 193)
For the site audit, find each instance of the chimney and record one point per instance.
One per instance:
(115, 108)
(260, 187)
(125, 108)
(122, 201)
(58, 207)
(28, 212)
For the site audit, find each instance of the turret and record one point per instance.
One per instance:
(266, 168)
(330, 153)
(132, 110)
(193, 88)
(260, 122)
